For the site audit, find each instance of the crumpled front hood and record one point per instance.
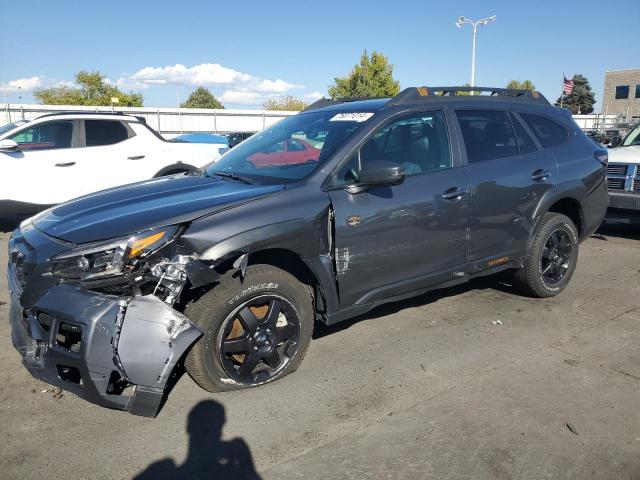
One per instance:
(139, 206)
(624, 154)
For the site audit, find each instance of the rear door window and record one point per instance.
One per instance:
(45, 136)
(487, 135)
(548, 132)
(104, 132)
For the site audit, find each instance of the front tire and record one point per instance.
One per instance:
(551, 259)
(256, 330)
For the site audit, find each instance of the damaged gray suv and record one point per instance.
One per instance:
(320, 218)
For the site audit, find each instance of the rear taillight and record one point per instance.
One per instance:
(602, 156)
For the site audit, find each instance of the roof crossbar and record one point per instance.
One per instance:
(417, 94)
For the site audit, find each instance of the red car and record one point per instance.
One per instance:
(288, 152)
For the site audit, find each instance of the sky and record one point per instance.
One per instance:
(246, 52)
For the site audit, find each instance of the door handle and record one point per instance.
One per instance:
(454, 193)
(65, 164)
(135, 157)
(540, 175)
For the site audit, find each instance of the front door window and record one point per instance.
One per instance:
(45, 136)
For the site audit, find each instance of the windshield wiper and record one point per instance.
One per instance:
(231, 175)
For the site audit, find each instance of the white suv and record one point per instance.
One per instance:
(61, 156)
(623, 177)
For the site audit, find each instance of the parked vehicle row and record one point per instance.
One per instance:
(57, 157)
(204, 138)
(238, 137)
(623, 177)
(233, 265)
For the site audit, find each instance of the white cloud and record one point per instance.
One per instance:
(244, 98)
(128, 84)
(314, 95)
(198, 75)
(277, 86)
(24, 84)
(242, 88)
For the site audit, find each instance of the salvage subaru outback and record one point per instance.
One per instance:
(225, 270)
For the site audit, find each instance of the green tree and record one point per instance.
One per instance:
(518, 85)
(581, 98)
(285, 102)
(201, 98)
(92, 89)
(372, 77)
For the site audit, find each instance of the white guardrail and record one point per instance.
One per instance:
(169, 122)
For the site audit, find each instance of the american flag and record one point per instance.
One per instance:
(567, 86)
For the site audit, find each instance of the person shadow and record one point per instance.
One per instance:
(209, 456)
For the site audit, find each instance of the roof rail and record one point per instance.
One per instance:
(320, 103)
(325, 102)
(87, 112)
(417, 94)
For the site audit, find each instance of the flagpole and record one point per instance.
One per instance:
(562, 92)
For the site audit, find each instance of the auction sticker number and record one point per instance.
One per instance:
(351, 117)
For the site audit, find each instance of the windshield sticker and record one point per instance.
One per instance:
(352, 117)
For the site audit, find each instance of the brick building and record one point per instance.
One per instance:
(622, 93)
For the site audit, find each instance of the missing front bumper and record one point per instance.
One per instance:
(93, 345)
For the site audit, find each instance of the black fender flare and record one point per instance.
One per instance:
(573, 191)
(186, 167)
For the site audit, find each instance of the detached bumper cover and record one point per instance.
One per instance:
(92, 344)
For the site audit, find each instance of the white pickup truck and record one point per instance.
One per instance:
(623, 177)
(61, 156)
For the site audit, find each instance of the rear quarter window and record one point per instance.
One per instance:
(548, 132)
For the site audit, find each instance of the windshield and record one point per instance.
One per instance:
(633, 137)
(291, 149)
(11, 126)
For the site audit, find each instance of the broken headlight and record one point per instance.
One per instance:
(112, 257)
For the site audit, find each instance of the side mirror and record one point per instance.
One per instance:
(615, 141)
(376, 174)
(8, 146)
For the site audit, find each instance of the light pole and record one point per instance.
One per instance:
(484, 21)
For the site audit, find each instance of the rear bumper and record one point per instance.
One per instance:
(625, 201)
(594, 209)
(96, 345)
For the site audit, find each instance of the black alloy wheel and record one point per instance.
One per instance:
(258, 339)
(556, 257)
(551, 258)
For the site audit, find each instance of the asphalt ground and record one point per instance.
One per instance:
(433, 387)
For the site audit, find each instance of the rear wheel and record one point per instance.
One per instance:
(256, 330)
(552, 257)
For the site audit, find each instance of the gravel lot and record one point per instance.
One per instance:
(426, 388)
